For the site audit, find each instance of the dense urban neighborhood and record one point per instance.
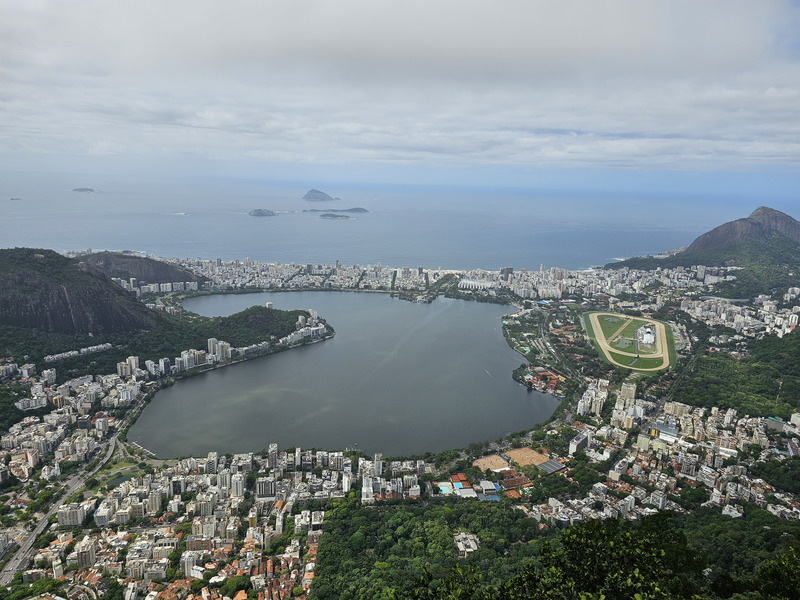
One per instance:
(89, 515)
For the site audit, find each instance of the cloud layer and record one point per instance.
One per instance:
(678, 85)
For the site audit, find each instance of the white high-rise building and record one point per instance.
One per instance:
(237, 485)
(188, 359)
(224, 478)
(366, 490)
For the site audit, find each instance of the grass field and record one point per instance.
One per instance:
(621, 359)
(633, 363)
(630, 328)
(647, 363)
(673, 355)
(610, 325)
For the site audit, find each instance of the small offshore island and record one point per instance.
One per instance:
(675, 446)
(84, 190)
(357, 209)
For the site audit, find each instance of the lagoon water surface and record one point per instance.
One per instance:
(398, 378)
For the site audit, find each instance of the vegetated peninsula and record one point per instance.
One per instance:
(263, 212)
(317, 196)
(84, 190)
(50, 303)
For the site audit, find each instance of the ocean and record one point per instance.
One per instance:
(431, 226)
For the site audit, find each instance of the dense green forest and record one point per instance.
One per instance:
(652, 559)
(406, 550)
(766, 383)
(369, 551)
(783, 475)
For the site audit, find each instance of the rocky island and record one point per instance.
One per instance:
(263, 212)
(357, 209)
(84, 190)
(317, 196)
(330, 215)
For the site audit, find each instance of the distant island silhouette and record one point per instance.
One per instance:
(317, 196)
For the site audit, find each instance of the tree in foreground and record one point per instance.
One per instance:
(596, 560)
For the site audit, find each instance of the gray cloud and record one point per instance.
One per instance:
(633, 84)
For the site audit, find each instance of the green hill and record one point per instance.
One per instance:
(51, 304)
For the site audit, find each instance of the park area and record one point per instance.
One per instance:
(635, 343)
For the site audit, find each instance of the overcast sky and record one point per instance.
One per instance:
(414, 86)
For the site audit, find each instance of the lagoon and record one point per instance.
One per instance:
(399, 378)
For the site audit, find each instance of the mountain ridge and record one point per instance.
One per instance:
(125, 266)
(766, 237)
(761, 222)
(43, 290)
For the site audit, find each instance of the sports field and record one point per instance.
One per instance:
(631, 342)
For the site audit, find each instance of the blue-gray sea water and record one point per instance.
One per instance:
(448, 227)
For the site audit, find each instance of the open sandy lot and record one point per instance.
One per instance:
(526, 456)
(493, 463)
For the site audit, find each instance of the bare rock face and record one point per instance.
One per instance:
(43, 290)
(759, 224)
(125, 266)
(774, 220)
